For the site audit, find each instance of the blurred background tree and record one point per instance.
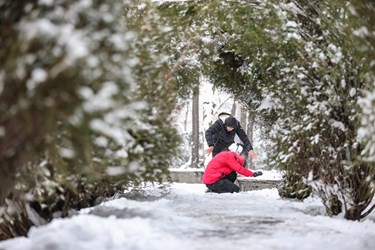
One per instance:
(76, 122)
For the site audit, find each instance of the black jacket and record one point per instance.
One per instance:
(218, 136)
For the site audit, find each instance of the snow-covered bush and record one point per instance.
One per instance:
(363, 30)
(316, 133)
(71, 99)
(367, 130)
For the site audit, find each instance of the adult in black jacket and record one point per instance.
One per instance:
(220, 136)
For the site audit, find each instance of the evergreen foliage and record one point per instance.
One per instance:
(293, 61)
(79, 109)
(362, 27)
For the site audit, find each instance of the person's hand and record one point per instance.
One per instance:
(209, 150)
(252, 154)
(257, 173)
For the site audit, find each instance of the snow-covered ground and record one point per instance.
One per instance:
(188, 218)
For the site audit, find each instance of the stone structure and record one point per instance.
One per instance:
(249, 184)
(245, 183)
(186, 176)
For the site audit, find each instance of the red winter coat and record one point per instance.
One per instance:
(223, 164)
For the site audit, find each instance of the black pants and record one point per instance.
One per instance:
(215, 151)
(225, 185)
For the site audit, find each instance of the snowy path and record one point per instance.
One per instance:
(190, 219)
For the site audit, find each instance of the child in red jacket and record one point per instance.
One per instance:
(221, 172)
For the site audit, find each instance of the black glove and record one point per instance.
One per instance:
(257, 173)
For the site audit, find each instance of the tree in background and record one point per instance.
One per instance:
(362, 25)
(195, 131)
(173, 34)
(78, 119)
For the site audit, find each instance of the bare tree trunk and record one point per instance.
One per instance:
(234, 107)
(203, 145)
(250, 126)
(250, 132)
(186, 116)
(195, 146)
(204, 117)
(244, 124)
(243, 119)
